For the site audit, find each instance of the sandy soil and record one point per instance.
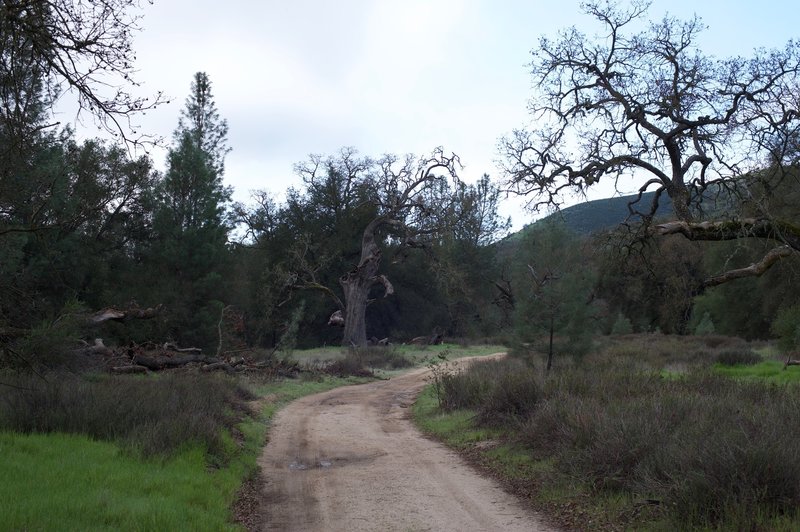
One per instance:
(351, 460)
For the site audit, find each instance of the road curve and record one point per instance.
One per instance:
(351, 460)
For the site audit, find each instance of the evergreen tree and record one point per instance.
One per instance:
(201, 121)
(190, 220)
(555, 311)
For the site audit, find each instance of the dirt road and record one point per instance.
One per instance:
(351, 460)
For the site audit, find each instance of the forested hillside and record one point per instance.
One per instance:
(602, 215)
(380, 247)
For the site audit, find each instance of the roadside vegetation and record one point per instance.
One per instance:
(162, 452)
(156, 452)
(631, 436)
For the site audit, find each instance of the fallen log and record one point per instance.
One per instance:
(129, 369)
(98, 348)
(131, 313)
(218, 365)
(157, 362)
(169, 346)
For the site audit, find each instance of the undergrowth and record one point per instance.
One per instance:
(145, 415)
(703, 450)
(176, 448)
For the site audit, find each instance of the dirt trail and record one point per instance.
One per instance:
(351, 460)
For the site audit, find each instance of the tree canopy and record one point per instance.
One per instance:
(649, 104)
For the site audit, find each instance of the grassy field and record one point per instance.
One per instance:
(607, 442)
(773, 371)
(71, 482)
(64, 479)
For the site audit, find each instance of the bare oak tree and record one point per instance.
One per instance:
(410, 200)
(651, 105)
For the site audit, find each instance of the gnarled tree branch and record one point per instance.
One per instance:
(754, 270)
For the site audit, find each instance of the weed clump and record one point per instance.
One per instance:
(501, 390)
(151, 415)
(360, 361)
(737, 357)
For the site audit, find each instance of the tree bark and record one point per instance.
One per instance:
(356, 285)
(735, 229)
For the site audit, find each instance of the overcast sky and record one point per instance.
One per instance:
(294, 77)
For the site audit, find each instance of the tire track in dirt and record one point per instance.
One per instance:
(351, 460)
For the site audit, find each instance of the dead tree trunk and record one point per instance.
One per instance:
(357, 283)
(356, 291)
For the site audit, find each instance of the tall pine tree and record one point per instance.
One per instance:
(190, 220)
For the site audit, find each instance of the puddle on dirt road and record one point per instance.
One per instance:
(300, 466)
(326, 463)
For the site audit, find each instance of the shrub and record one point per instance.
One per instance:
(786, 326)
(461, 389)
(560, 421)
(350, 365)
(717, 452)
(620, 437)
(151, 415)
(500, 390)
(512, 395)
(733, 459)
(358, 360)
(705, 326)
(622, 325)
(385, 357)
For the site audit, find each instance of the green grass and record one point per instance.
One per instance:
(454, 428)
(770, 371)
(279, 393)
(417, 354)
(515, 462)
(58, 481)
(69, 482)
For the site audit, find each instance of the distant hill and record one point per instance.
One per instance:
(600, 215)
